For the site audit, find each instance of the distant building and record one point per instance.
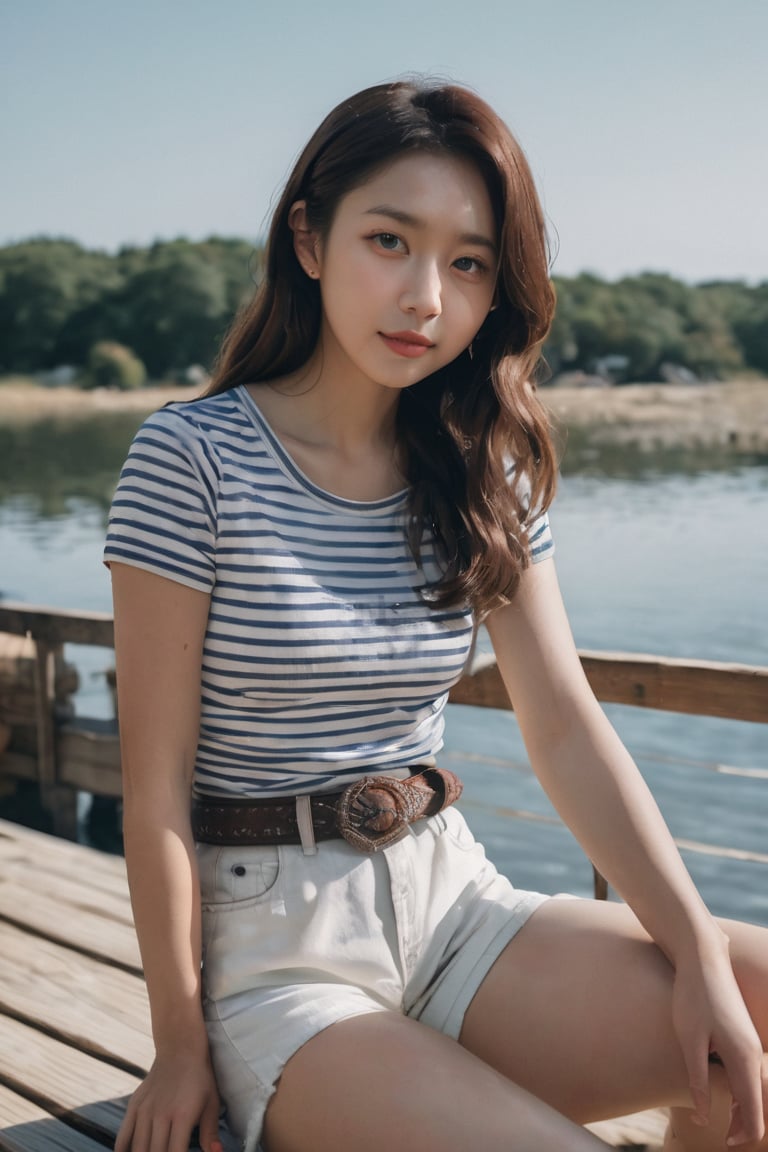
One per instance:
(612, 368)
(59, 377)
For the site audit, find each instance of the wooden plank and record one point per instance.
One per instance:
(86, 1093)
(60, 1078)
(57, 626)
(17, 668)
(721, 851)
(88, 757)
(98, 1008)
(19, 765)
(703, 688)
(33, 861)
(732, 691)
(84, 931)
(25, 1127)
(17, 838)
(72, 894)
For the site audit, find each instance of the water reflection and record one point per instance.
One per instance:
(586, 454)
(50, 462)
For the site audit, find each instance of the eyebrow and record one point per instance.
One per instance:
(414, 222)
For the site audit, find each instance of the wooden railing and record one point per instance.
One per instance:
(71, 755)
(695, 687)
(82, 754)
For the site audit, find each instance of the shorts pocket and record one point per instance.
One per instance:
(234, 878)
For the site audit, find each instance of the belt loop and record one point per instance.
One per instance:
(304, 821)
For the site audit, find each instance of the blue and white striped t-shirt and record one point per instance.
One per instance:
(321, 662)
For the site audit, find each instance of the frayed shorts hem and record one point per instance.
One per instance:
(246, 1112)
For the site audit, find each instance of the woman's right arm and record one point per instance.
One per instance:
(159, 631)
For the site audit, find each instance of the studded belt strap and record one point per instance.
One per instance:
(370, 814)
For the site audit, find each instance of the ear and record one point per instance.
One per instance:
(306, 242)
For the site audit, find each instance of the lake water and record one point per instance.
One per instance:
(668, 560)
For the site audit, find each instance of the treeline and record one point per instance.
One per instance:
(642, 324)
(166, 307)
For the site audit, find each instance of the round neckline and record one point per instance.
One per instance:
(289, 465)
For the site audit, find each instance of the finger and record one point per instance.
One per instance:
(209, 1127)
(735, 1134)
(696, 1057)
(161, 1137)
(745, 1083)
(178, 1135)
(125, 1133)
(741, 1130)
(142, 1133)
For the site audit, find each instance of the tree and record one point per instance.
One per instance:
(42, 283)
(752, 329)
(112, 365)
(653, 319)
(179, 305)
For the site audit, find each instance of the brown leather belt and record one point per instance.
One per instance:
(370, 814)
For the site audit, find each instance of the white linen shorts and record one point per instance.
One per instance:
(293, 943)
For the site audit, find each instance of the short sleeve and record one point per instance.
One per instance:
(163, 514)
(540, 541)
(541, 544)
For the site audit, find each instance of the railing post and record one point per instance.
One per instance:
(600, 884)
(60, 803)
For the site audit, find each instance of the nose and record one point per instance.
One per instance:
(423, 291)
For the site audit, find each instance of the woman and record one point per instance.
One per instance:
(299, 560)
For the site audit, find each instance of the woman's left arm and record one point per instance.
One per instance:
(597, 789)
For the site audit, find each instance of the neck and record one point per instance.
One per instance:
(331, 404)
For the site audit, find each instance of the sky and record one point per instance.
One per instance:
(127, 121)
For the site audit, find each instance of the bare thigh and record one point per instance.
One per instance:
(577, 1009)
(382, 1081)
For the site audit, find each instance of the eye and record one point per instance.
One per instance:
(470, 264)
(388, 241)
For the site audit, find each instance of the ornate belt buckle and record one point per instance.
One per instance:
(375, 812)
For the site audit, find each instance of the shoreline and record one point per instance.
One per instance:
(732, 416)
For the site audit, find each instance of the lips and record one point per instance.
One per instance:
(409, 344)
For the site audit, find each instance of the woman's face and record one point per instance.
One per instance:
(407, 271)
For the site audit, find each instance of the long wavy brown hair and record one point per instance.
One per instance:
(463, 425)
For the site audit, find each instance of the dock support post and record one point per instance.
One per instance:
(60, 803)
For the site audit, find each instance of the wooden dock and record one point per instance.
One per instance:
(75, 1035)
(74, 1019)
